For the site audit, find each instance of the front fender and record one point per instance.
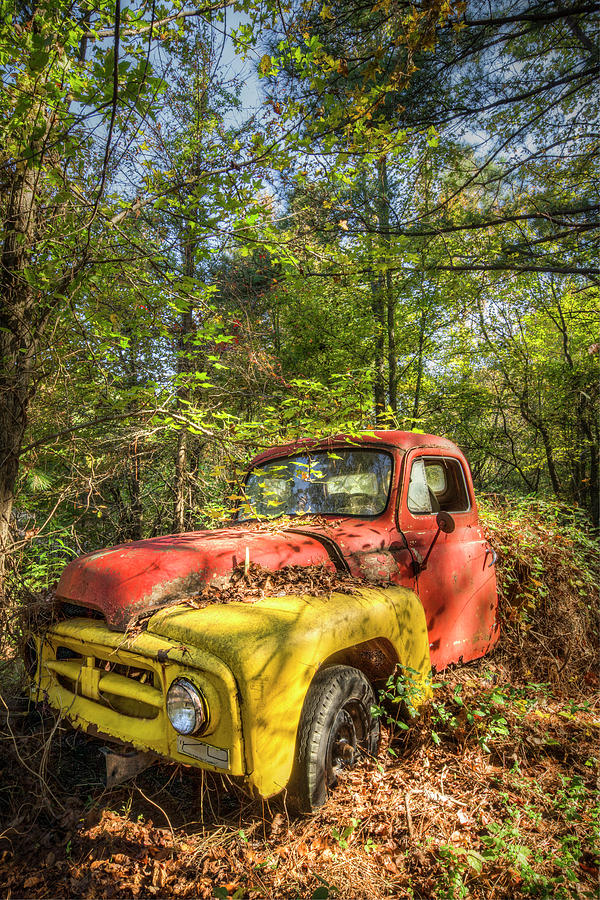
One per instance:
(275, 646)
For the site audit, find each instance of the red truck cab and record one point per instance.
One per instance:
(397, 537)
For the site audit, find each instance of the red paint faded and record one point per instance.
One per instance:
(457, 587)
(130, 580)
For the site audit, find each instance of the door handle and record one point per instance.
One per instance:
(494, 557)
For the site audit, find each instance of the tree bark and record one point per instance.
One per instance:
(587, 449)
(180, 479)
(528, 413)
(391, 334)
(18, 344)
(534, 420)
(417, 400)
(186, 327)
(378, 305)
(383, 203)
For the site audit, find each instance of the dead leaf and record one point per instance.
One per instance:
(159, 874)
(277, 824)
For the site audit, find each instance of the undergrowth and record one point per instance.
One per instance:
(548, 572)
(490, 792)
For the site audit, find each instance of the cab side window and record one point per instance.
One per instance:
(437, 483)
(419, 495)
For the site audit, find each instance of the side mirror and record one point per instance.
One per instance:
(445, 522)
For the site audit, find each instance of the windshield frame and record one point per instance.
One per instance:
(359, 447)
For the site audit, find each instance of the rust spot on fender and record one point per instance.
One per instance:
(374, 566)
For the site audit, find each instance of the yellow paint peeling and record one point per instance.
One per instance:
(253, 663)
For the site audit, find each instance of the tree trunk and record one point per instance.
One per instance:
(378, 304)
(180, 479)
(135, 494)
(532, 419)
(594, 483)
(186, 328)
(417, 400)
(586, 449)
(383, 202)
(391, 335)
(18, 342)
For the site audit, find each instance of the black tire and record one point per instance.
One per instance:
(336, 723)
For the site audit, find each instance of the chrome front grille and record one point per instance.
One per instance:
(128, 689)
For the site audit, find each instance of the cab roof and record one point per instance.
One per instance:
(403, 440)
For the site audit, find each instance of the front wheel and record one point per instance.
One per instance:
(336, 723)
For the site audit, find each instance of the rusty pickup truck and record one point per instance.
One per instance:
(278, 691)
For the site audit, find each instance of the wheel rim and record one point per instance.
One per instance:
(348, 732)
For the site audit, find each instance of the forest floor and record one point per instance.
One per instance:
(491, 792)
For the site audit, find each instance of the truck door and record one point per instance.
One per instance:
(457, 587)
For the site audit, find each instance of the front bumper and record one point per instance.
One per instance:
(114, 686)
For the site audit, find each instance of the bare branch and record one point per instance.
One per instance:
(182, 14)
(537, 18)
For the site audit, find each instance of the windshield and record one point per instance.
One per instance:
(328, 482)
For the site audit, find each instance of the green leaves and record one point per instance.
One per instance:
(342, 836)
(38, 60)
(264, 66)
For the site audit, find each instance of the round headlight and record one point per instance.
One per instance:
(186, 707)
